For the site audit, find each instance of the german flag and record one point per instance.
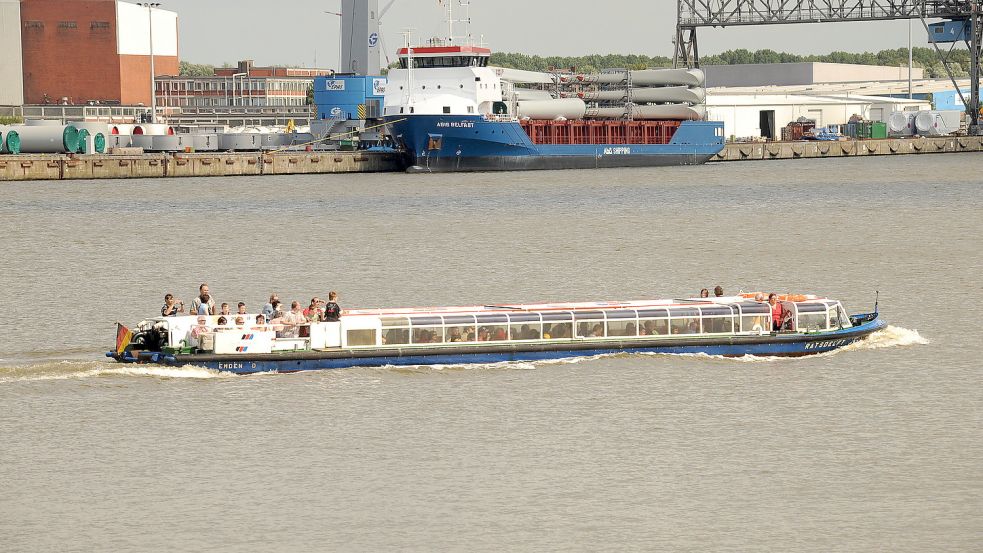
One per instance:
(123, 337)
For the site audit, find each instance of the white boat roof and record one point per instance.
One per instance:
(574, 306)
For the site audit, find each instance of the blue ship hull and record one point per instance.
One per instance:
(450, 143)
(781, 345)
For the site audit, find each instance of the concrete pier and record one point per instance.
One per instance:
(848, 148)
(64, 167)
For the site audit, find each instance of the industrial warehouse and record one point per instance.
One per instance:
(248, 119)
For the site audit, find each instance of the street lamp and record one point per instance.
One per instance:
(153, 80)
(341, 23)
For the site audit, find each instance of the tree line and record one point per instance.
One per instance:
(924, 58)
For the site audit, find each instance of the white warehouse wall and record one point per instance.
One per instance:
(133, 30)
(12, 60)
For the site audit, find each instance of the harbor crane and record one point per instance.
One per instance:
(963, 20)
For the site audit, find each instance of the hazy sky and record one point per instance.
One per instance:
(297, 31)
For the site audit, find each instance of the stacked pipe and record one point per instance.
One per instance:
(653, 94)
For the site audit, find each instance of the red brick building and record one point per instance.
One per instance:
(94, 50)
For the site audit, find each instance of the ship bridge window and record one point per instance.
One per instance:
(684, 320)
(810, 317)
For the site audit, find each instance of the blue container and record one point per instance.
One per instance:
(949, 31)
(340, 96)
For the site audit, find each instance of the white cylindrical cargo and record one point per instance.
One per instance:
(564, 108)
(48, 139)
(669, 112)
(901, 123)
(525, 94)
(239, 141)
(94, 127)
(205, 142)
(153, 129)
(649, 77)
(673, 94)
(43, 123)
(937, 123)
(119, 140)
(121, 128)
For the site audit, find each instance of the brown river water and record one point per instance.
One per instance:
(878, 447)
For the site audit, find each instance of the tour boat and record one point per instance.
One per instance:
(722, 326)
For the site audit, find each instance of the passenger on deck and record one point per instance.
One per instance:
(261, 324)
(704, 293)
(483, 334)
(648, 328)
(455, 335)
(225, 310)
(314, 312)
(597, 331)
(269, 308)
(172, 307)
(242, 308)
(203, 304)
(198, 330)
(500, 334)
(291, 321)
(332, 311)
(777, 312)
(222, 321)
(277, 310)
(718, 291)
(240, 322)
(759, 297)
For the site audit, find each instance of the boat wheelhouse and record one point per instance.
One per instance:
(730, 326)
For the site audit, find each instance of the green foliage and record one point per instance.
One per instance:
(11, 119)
(922, 57)
(310, 95)
(196, 69)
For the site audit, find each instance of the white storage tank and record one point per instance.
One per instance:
(901, 123)
(938, 123)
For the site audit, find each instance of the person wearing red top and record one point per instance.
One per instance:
(777, 312)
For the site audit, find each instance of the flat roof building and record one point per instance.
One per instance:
(81, 51)
(805, 73)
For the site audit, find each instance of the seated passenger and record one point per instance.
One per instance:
(718, 291)
(533, 334)
(597, 331)
(777, 312)
(693, 327)
(222, 321)
(240, 322)
(500, 334)
(759, 297)
(483, 334)
(261, 324)
(172, 307)
(455, 335)
(314, 313)
(704, 293)
(630, 329)
(198, 330)
(270, 307)
(523, 333)
(648, 328)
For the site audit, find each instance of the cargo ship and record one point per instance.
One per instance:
(449, 110)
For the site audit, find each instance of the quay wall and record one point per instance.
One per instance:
(752, 151)
(107, 166)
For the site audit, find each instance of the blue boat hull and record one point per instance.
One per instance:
(448, 143)
(780, 345)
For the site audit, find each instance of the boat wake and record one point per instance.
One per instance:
(77, 370)
(889, 337)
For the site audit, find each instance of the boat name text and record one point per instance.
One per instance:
(455, 124)
(621, 151)
(826, 344)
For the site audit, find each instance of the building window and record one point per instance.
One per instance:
(67, 25)
(34, 24)
(99, 25)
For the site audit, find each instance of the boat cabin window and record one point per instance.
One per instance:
(525, 326)
(460, 328)
(557, 325)
(811, 317)
(623, 322)
(590, 324)
(717, 319)
(428, 335)
(755, 317)
(361, 337)
(684, 320)
(653, 322)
